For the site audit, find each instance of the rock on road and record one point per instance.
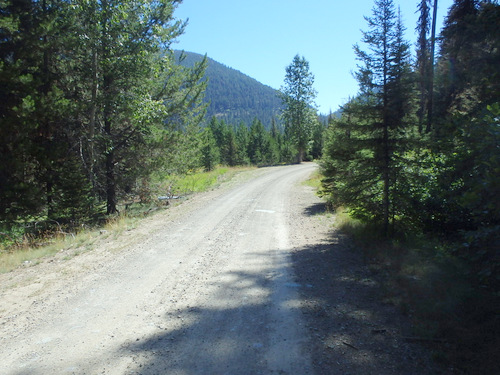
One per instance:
(208, 288)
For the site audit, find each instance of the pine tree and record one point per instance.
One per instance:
(258, 146)
(297, 96)
(317, 139)
(373, 125)
(465, 189)
(242, 144)
(132, 84)
(38, 126)
(90, 89)
(209, 150)
(423, 60)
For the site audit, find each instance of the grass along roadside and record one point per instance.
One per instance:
(30, 251)
(75, 244)
(314, 180)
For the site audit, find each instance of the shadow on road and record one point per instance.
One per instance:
(352, 330)
(238, 330)
(316, 209)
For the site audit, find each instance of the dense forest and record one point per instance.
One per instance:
(234, 97)
(416, 154)
(91, 101)
(418, 148)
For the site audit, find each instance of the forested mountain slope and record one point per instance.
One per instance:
(234, 96)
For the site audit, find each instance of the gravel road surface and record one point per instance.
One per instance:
(247, 279)
(210, 291)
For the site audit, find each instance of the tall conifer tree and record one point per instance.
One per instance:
(372, 125)
(298, 96)
(423, 60)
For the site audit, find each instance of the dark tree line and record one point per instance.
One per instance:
(254, 145)
(234, 97)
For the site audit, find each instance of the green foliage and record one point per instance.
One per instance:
(443, 184)
(242, 146)
(299, 114)
(259, 147)
(92, 102)
(366, 162)
(465, 195)
(209, 150)
(199, 181)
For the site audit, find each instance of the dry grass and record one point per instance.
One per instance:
(30, 255)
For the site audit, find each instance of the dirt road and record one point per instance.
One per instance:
(223, 284)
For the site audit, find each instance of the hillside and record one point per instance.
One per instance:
(234, 96)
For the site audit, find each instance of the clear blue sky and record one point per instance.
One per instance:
(261, 37)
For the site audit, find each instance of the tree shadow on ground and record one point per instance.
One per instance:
(349, 330)
(316, 209)
(234, 331)
(350, 325)
(240, 327)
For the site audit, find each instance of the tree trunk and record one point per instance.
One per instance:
(110, 184)
(110, 149)
(431, 68)
(110, 160)
(91, 130)
(385, 140)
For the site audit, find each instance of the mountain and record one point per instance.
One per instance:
(234, 96)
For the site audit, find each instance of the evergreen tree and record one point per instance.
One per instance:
(430, 105)
(242, 138)
(374, 125)
(38, 127)
(90, 89)
(209, 150)
(317, 140)
(423, 63)
(298, 96)
(258, 146)
(466, 140)
(231, 149)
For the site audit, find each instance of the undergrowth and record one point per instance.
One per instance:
(198, 182)
(459, 320)
(20, 245)
(314, 180)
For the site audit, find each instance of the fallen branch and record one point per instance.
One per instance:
(349, 345)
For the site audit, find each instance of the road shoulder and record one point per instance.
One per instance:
(351, 329)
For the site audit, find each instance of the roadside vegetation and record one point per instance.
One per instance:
(100, 116)
(28, 245)
(450, 314)
(411, 167)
